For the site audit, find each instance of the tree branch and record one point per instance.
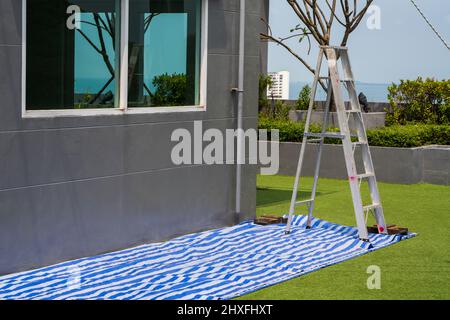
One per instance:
(269, 38)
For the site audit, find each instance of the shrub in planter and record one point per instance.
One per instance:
(280, 111)
(420, 101)
(410, 136)
(289, 131)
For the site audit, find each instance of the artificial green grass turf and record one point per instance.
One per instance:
(418, 268)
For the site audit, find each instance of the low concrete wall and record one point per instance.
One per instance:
(396, 165)
(371, 120)
(373, 106)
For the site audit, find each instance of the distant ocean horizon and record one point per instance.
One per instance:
(375, 92)
(93, 85)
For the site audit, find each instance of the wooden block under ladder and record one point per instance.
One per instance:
(267, 220)
(391, 230)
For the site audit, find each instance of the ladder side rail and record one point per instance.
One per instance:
(304, 142)
(319, 153)
(374, 192)
(357, 117)
(365, 148)
(347, 144)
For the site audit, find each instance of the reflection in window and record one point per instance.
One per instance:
(164, 53)
(71, 56)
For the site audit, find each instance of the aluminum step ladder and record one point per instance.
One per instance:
(351, 139)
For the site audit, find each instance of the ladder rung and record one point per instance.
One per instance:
(342, 80)
(314, 140)
(353, 111)
(372, 206)
(304, 201)
(365, 175)
(340, 48)
(333, 135)
(359, 143)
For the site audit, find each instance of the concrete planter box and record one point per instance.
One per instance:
(429, 164)
(373, 106)
(372, 120)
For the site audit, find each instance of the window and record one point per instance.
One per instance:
(75, 54)
(71, 57)
(164, 48)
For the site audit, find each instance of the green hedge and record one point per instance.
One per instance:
(410, 136)
(395, 136)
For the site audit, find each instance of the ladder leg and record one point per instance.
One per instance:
(365, 149)
(319, 155)
(304, 142)
(374, 192)
(347, 145)
(296, 184)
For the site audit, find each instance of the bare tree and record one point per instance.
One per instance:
(317, 21)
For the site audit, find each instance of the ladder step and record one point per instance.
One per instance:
(353, 111)
(365, 175)
(333, 135)
(359, 143)
(314, 140)
(342, 80)
(338, 48)
(304, 201)
(372, 206)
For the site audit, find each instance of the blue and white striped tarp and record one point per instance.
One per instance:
(217, 264)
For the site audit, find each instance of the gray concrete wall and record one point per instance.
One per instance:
(396, 165)
(79, 186)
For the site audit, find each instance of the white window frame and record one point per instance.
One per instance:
(123, 80)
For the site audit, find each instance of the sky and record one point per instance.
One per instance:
(404, 48)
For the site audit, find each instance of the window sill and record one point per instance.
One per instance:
(108, 112)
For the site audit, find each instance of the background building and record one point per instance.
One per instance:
(280, 85)
(81, 174)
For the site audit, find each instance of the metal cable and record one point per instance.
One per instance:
(429, 23)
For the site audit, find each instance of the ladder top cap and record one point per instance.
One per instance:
(334, 47)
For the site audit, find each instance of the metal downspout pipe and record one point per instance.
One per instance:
(240, 156)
